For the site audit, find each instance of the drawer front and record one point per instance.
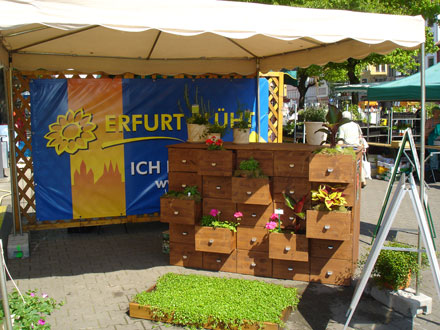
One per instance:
(264, 158)
(255, 239)
(291, 270)
(331, 271)
(288, 218)
(255, 215)
(185, 255)
(348, 190)
(293, 187)
(328, 225)
(217, 187)
(332, 249)
(251, 191)
(183, 160)
(216, 162)
(216, 240)
(220, 262)
(181, 211)
(182, 234)
(178, 181)
(288, 247)
(226, 207)
(292, 164)
(332, 168)
(254, 263)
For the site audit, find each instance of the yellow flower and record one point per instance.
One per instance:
(71, 132)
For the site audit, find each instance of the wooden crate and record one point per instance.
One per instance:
(251, 191)
(178, 181)
(185, 255)
(216, 162)
(255, 239)
(264, 158)
(220, 262)
(217, 187)
(291, 270)
(328, 225)
(331, 249)
(183, 160)
(254, 263)
(183, 211)
(291, 163)
(216, 240)
(332, 168)
(331, 271)
(288, 247)
(182, 233)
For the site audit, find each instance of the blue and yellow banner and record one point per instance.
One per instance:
(99, 145)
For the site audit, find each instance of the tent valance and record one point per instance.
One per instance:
(192, 36)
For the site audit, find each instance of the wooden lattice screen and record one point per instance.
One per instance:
(276, 91)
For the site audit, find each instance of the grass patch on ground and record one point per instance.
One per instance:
(196, 300)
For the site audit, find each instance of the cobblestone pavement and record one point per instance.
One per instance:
(96, 273)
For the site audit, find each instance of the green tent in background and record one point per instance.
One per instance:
(408, 89)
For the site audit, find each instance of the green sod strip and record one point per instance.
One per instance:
(196, 300)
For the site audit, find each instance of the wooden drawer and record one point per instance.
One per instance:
(254, 263)
(226, 207)
(216, 162)
(331, 271)
(216, 240)
(288, 216)
(332, 249)
(185, 255)
(291, 270)
(332, 168)
(255, 215)
(251, 191)
(291, 163)
(178, 181)
(328, 225)
(264, 158)
(255, 239)
(288, 247)
(183, 211)
(348, 190)
(217, 187)
(183, 160)
(293, 187)
(220, 262)
(182, 234)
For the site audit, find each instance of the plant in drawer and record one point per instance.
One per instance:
(214, 143)
(250, 185)
(182, 207)
(329, 217)
(215, 235)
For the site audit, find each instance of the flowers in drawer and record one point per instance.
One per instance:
(329, 198)
(213, 220)
(190, 192)
(214, 143)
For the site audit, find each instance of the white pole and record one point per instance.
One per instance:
(4, 291)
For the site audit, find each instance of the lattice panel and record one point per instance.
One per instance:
(275, 115)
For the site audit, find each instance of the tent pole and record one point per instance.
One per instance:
(422, 152)
(257, 74)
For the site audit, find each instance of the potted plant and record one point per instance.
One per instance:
(215, 235)
(314, 118)
(216, 130)
(182, 207)
(250, 185)
(242, 127)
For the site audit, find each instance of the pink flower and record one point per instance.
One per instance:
(274, 216)
(45, 295)
(271, 225)
(214, 212)
(41, 322)
(238, 214)
(32, 294)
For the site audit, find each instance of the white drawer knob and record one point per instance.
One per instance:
(219, 260)
(253, 264)
(330, 247)
(184, 233)
(213, 164)
(327, 227)
(291, 192)
(184, 257)
(329, 170)
(176, 212)
(253, 215)
(184, 161)
(291, 165)
(211, 241)
(183, 185)
(249, 193)
(287, 248)
(291, 218)
(218, 187)
(253, 239)
(290, 269)
(329, 273)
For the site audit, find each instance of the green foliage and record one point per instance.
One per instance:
(210, 221)
(316, 114)
(245, 119)
(216, 128)
(204, 109)
(334, 120)
(249, 168)
(190, 192)
(332, 198)
(337, 150)
(30, 313)
(195, 300)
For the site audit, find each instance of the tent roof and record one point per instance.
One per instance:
(191, 36)
(408, 89)
(355, 87)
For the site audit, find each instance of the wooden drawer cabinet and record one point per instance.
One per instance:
(220, 262)
(291, 270)
(185, 255)
(183, 211)
(332, 249)
(216, 240)
(333, 168)
(182, 233)
(217, 187)
(255, 215)
(216, 162)
(328, 225)
(255, 239)
(331, 271)
(183, 160)
(254, 263)
(226, 207)
(293, 187)
(291, 164)
(264, 158)
(178, 181)
(251, 191)
(288, 247)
